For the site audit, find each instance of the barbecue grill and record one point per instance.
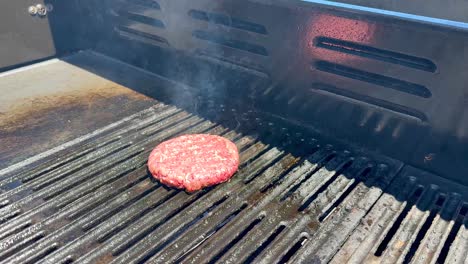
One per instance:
(350, 122)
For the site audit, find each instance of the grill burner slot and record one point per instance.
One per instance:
(150, 21)
(146, 3)
(396, 108)
(132, 33)
(140, 20)
(228, 21)
(375, 53)
(373, 78)
(225, 40)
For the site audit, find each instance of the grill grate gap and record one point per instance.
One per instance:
(109, 214)
(67, 161)
(68, 173)
(137, 216)
(440, 200)
(68, 260)
(280, 179)
(182, 230)
(97, 187)
(265, 244)
(5, 218)
(158, 120)
(176, 125)
(77, 214)
(251, 159)
(411, 201)
(213, 231)
(464, 210)
(16, 229)
(135, 240)
(22, 245)
(4, 203)
(92, 176)
(43, 254)
(252, 177)
(453, 233)
(246, 146)
(325, 186)
(236, 239)
(427, 224)
(363, 175)
(320, 165)
(292, 251)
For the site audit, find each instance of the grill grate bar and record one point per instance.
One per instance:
(293, 199)
(157, 112)
(88, 172)
(438, 232)
(245, 245)
(182, 220)
(178, 196)
(458, 252)
(334, 231)
(409, 228)
(314, 190)
(255, 240)
(142, 157)
(313, 164)
(211, 247)
(76, 165)
(242, 193)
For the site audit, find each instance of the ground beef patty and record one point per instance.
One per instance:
(194, 161)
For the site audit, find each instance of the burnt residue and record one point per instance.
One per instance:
(48, 111)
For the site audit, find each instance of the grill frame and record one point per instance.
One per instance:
(304, 193)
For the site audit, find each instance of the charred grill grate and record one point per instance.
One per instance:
(94, 202)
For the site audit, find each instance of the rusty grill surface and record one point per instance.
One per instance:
(94, 202)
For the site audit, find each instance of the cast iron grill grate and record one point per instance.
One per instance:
(94, 202)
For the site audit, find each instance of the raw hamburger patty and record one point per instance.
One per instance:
(194, 161)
